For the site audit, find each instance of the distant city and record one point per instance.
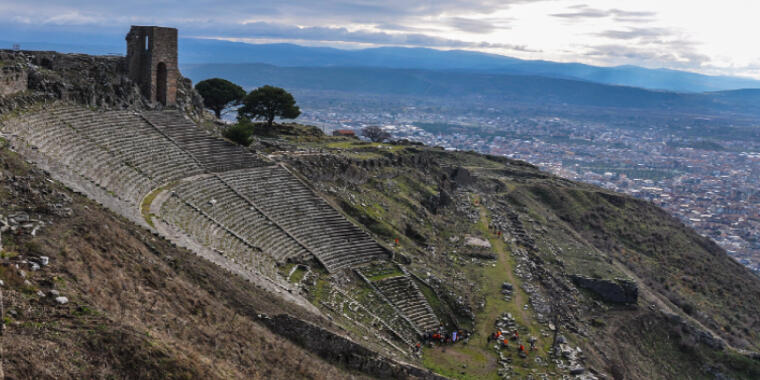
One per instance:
(709, 184)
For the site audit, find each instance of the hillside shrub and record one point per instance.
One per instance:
(240, 133)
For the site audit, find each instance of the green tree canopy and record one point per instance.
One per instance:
(219, 94)
(268, 102)
(375, 133)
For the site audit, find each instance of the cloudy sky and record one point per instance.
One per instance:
(702, 36)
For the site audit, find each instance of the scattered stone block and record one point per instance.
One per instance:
(473, 241)
(615, 291)
(577, 370)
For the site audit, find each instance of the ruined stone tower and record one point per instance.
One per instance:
(152, 62)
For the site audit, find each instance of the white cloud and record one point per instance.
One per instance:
(72, 18)
(711, 37)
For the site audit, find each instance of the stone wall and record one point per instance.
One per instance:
(342, 351)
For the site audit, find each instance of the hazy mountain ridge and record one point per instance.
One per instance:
(217, 51)
(502, 89)
(208, 51)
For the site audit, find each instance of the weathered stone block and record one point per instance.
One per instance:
(616, 290)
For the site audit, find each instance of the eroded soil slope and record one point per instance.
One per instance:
(134, 307)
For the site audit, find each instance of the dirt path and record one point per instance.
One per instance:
(499, 247)
(478, 360)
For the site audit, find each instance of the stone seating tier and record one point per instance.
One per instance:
(236, 214)
(214, 235)
(215, 154)
(66, 145)
(407, 297)
(130, 154)
(338, 242)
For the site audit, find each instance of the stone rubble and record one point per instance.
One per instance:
(506, 290)
(572, 360)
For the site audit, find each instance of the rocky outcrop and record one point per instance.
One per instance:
(615, 291)
(342, 351)
(95, 81)
(13, 79)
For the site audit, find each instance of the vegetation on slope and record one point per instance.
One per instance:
(430, 200)
(689, 270)
(138, 307)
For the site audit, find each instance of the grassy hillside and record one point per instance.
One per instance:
(463, 225)
(689, 270)
(696, 310)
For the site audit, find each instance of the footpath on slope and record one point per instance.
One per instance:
(499, 246)
(478, 359)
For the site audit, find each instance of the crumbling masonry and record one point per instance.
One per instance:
(152, 62)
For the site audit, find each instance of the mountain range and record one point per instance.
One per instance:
(498, 90)
(215, 51)
(210, 51)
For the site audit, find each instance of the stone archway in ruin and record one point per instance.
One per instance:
(161, 83)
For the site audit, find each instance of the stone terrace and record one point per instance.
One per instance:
(335, 241)
(407, 297)
(257, 206)
(236, 203)
(116, 150)
(216, 200)
(210, 232)
(215, 154)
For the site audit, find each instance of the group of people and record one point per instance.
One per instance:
(503, 341)
(441, 336)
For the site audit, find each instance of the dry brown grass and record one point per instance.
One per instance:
(139, 308)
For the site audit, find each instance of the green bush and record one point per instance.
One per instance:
(239, 133)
